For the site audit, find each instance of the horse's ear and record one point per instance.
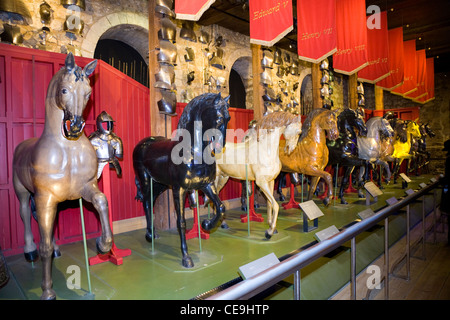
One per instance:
(217, 99)
(70, 62)
(90, 67)
(227, 98)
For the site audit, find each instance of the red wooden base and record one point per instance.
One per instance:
(252, 215)
(193, 233)
(350, 186)
(292, 203)
(115, 256)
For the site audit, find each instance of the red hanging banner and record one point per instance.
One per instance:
(316, 24)
(421, 65)
(270, 21)
(191, 9)
(430, 83)
(377, 52)
(396, 60)
(410, 70)
(351, 54)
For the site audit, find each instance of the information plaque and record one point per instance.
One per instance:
(409, 192)
(311, 212)
(326, 233)
(433, 180)
(366, 214)
(253, 268)
(405, 177)
(372, 190)
(391, 201)
(422, 185)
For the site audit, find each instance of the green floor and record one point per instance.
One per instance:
(158, 274)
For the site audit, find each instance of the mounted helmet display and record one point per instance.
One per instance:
(167, 104)
(78, 3)
(277, 59)
(168, 30)
(187, 31)
(19, 11)
(324, 65)
(164, 7)
(266, 79)
(217, 61)
(190, 56)
(190, 77)
(76, 28)
(46, 13)
(11, 34)
(204, 37)
(267, 60)
(165, 77)
(167, 52)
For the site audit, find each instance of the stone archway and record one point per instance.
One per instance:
(243, 67)
(128, 27)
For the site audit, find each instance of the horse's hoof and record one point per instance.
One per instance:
(225, 225)
(148, 236)
(243, 208)
(48, 295)
(343, 201)
(268, 235)
(361, 195)
(187, 262)
(102, 249)
(282, 198)
(56, 253)
(31, 256)
(326, 201)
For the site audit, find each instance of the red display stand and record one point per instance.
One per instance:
(252, 215)
(350, 188)
(115, 255)
(194, 232)
(292, 203)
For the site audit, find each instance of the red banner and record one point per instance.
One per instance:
(396, 60)
(191, 9)
(430, 82)
(377, 52)
(351, 54)
(421, 80)
(410, 71)
(270, 21)
(316, 24)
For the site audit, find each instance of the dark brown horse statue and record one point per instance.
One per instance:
(59, 165)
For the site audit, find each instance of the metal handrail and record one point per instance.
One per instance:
(292, 265)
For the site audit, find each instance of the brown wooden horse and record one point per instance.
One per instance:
(59, 165)
(311, 154)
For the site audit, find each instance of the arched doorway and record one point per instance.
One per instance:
(240, 83)
(306, 96)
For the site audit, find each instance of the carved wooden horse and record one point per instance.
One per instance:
(184, 165)
(59, 165)
(257, 158)
(311, 154)
(402, 150)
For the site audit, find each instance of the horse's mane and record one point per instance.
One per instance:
(277, 119)
(194, 107)
(308, 122)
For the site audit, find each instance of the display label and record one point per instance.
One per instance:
(373, 189)
(409, 192)
(422, 185)
(392, 201)
(253, 268)
(405, 177)
(366, 214)
(433, 180)
(326, 233)
(311, 209)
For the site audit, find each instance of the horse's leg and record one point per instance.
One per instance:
(92, 194)
(328, 180)
(158, 188)
(46, 213)
(211, 193)
(272, 206)
(312, 186)
(179, 196)
(362, 170)
(348, 172)
(30, 251)
(385, 165)
(281, 180)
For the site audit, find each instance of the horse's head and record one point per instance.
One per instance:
(400, 131)
(413, 129)
(426, 130)
(350, 119)
(71, 93)
(329, 123)
(214, 124)
(385, 128)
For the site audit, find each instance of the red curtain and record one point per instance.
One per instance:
(351, 54)
(396, 60)
(316, 23)
(421, 65)
(410, 69)
(270, 21)
(430, 82)
(377, 53)
(191, 9)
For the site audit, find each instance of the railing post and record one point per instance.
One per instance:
(353, 268)
(408, 244)
(386, 258)
(297, 285)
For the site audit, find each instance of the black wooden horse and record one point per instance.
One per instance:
(184, 165)
(344, 150)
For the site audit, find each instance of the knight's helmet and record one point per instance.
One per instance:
(105, 123)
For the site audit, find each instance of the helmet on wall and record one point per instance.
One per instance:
(105, 118)
(167, 52)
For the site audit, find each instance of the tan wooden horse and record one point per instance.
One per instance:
(257, 158)
(59, 165)
(310, 157)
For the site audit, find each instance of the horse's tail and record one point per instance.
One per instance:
(139, 195)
